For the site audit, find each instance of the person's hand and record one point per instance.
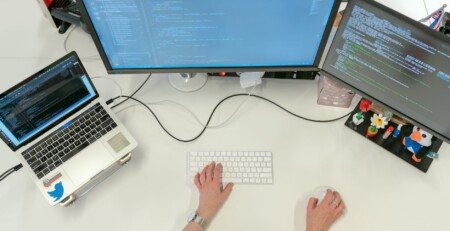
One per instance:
(321, 216)
(212, 196)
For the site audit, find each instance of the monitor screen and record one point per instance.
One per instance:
(34, 105)
(396, 61)
(159, 34)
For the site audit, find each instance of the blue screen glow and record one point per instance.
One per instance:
(146, 34)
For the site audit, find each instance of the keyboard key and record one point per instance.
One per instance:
(35, 164)
(40, 175)
(31, 160)
(40, 167)
(26, 156)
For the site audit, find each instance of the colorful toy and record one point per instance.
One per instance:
(365, 105)
(388, 132)
(378, 121)
(371, 131)
(397, 131)
(388, 115)
(416, 141)
(358, 118)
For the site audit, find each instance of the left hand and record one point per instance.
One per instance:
(212, 196)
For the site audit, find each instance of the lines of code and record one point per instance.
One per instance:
(395, 62)
(215, 33)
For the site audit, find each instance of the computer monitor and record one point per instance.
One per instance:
(395, 61)
(142, 36)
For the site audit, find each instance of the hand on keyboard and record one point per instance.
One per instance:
(239, 167)
(212, 194)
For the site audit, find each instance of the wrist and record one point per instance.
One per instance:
(205, 214)
(311, 228)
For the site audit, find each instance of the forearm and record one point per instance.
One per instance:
(192, 226)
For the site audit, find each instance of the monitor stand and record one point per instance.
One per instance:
(188, 82)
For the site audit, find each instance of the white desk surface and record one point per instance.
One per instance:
(381, 191)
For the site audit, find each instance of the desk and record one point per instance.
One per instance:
(381, 191)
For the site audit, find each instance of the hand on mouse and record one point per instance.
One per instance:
(212, 196)
(321, 216)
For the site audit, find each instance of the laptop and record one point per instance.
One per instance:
(63, 134)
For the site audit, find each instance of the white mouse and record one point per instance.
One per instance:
(320, 192)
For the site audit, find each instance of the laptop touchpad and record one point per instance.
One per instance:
(89, 162)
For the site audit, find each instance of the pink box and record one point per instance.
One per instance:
(332, 93)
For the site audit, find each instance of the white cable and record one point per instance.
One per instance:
(426, 9)
(197, 119)
(67, 38)
(87, 58)
(112, 80)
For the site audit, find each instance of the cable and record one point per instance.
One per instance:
(134, 93)
(112, 80)
(67, 38)
(197, 119)
(214, 110)
(87, 58)
(10, 171)
(426, 10)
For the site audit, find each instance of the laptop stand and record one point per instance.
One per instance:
(96, 180)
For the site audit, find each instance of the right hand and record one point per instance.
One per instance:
(321, 216)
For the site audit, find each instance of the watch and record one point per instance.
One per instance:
(197, 219)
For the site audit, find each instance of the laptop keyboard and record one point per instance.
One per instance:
(70, 139)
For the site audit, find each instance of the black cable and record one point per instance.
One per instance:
(10, 171)
(214, 110)
(137, 90)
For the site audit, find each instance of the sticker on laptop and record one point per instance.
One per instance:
(57, 192)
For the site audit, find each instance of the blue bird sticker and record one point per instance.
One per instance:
(58, 192)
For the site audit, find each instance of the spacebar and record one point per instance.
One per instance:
(74, 151)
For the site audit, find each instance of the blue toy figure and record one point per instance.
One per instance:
(416, 141)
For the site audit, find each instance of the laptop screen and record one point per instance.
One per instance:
(51, 95)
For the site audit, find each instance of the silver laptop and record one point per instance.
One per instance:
(63, 133)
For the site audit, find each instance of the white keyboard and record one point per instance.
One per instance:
(238, 167)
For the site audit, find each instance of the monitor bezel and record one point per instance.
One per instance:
(315, 67)
(408, 20)
(32, 77)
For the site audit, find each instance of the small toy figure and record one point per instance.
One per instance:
(416, 141)
(388, 132)
(388, 115)
(397, 131)
(365, 105)
(358, 118)
(378, 121)
(372, 131)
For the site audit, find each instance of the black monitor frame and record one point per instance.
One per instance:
(417, 25)
(111, 70)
